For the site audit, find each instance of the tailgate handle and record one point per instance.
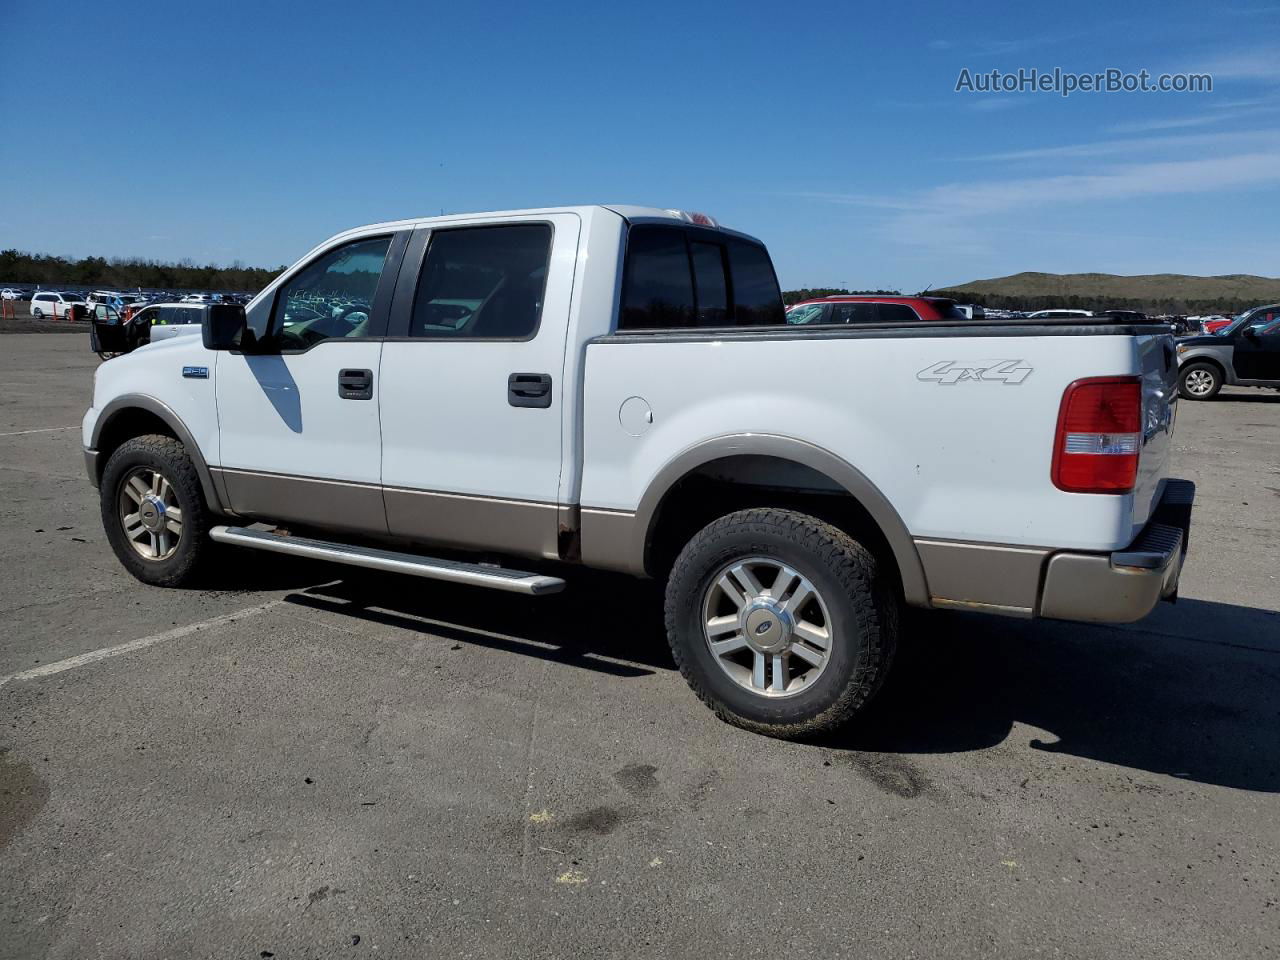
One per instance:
(529, 390)
(355, 384)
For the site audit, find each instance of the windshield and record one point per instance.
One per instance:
(805, 313)
(1236, 322)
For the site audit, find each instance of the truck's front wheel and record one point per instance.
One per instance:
(153, 510)
(780, 622)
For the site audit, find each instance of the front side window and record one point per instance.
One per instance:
(331, 297)
(483, 282)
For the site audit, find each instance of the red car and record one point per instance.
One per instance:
(1213, 326)
(872, 308)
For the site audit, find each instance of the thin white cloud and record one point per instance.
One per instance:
(1255, 63)
(1195, 120)
(959, 213)
(1105, 148)
(994, 104)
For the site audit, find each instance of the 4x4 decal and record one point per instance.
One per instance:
(950, 372)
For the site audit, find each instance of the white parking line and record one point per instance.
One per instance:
(93, 656)
(23, 433)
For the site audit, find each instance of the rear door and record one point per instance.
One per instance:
(472, 387)
(298, 413)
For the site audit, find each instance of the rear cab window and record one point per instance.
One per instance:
(682, 277)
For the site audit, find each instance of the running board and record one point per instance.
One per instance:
(477, 575)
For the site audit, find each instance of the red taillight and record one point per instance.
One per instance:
(1099, 436)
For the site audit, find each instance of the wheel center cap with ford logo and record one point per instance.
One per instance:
(766, 626)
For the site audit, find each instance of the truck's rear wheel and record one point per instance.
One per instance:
(780, 622)
(154, 512)
(1199, 381)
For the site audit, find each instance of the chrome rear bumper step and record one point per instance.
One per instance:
(477, 575)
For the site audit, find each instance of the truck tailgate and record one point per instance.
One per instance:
(1159, 369)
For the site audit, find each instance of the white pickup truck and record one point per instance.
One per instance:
(617, 387)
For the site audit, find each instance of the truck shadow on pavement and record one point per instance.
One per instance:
(1190, 692)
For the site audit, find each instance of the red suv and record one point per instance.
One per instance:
(874, 309)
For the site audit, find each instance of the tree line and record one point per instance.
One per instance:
(809, 293)
(125, 273)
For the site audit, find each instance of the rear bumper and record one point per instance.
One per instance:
(1127, 584)
(1116, 587)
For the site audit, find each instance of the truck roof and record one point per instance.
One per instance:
(628, 212)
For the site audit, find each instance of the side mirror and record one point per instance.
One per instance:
(224, 326)
(1251, 333)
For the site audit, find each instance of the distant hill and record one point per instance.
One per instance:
(1152, 293)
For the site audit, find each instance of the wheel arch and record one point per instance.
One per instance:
(830, 487)
(134, 415)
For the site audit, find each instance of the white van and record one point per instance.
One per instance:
(55, 305)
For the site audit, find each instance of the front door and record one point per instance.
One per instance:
(1257, 348)
(298, 421)
(472, 392)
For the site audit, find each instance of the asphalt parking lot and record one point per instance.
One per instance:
(300, 764)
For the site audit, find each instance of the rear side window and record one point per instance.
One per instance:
(855, 312)
(947, 310)
(897, 313)
(483, 282)
(676, 278)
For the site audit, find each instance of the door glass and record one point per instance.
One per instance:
(856, 312)
(330, 297)
(483, 283)
(896, 313)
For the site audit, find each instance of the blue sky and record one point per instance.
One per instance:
(251, 131)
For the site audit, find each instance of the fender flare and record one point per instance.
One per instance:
(850, 478)
(1211, 355)
(140, 401)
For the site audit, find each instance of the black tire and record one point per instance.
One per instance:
(860, 602)
(36, 313)
(1200, 370)
(167, 456)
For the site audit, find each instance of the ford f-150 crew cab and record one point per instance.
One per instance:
(617, 387)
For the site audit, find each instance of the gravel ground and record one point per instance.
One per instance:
(297, 763)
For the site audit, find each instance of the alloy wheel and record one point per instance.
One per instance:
(149, 513)
(767, 627)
